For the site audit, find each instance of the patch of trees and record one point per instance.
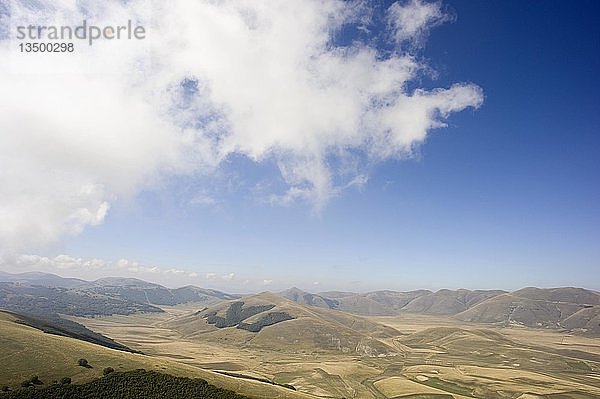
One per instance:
(33, 380)
(130, 385)
(267, 320)
(236, 313)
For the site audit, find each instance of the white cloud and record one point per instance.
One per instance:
(264, 80)
(411, 20)
(175, 271)
(210, 276)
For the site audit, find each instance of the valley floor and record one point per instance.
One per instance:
(436, 358)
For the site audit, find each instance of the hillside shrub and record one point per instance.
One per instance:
(130, 385)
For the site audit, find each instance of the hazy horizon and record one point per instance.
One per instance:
(313, 289)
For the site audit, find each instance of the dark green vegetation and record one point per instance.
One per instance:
(267, 320)
(236, 313)
(31, 381)
(132, 384)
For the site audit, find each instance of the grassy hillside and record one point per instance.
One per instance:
(448, 302)
(586, 320)
(385, 303)
(26, 351)
(69, 328)
(285, 326)
(575, 309)
(43, 279)
(306, 298)
(562, 294)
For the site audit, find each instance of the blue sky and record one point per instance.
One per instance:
(505, 196)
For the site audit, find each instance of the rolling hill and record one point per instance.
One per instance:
(40, 294)
(43, 279)
(126, 290)
(269, 321)
(306, 298)
(26, 351)
(385, 303)
(574, 309)
(448, 302)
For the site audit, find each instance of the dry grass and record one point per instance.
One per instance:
(462, 360)
(26, 351)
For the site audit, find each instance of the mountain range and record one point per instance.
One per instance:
(574, 309)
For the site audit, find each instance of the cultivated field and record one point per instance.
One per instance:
(432, 357)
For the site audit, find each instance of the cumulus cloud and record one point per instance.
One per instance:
(411, 20)
(261, 79)
(210, 276)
